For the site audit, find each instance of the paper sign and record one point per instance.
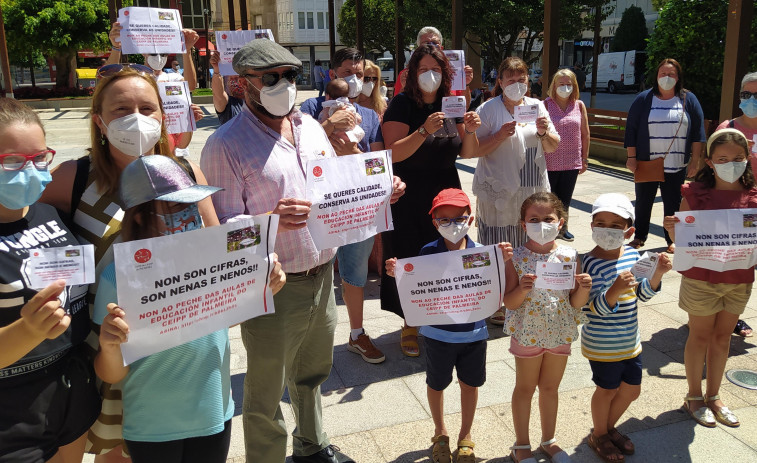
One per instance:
(451, 287)
(75, 264)
(754, 143)
(150, 31)
(645, 266)
(454, 106)
(526, 113)
(229, 42)
(719, 240)
(177, 106)
(555, 275)
(350, 196)
(181, 287)
(457, 61)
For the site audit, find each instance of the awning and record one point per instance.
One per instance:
(201, 46)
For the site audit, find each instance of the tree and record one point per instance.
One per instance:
(632, 31)
(58, 29)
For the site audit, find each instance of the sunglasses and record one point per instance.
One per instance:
(367, 79)
(272, 78)
(13, 161)
(747, 95)
(434, 44)
(113, 69)
(446, 222)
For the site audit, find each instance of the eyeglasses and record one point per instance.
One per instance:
(272, 78)
(433, 44)
(13, 161)
(113, 69)
(367, 79)
(446, 222)
(747, 95)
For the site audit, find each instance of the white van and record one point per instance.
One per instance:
(620, 70)
(387, 69)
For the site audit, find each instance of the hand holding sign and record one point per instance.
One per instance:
(625, 281)
(453, 106)
(645, 266)
(527, 282)
(293, 213)
(43, 315)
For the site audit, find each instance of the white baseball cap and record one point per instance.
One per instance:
(616, 203)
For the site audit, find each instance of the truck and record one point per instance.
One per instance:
(387, 69)
(622, 70)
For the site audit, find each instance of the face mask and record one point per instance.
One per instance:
(542, 232)
(368, 89)
(355, 84)
(565, 91)
(383, 91)
(608, 238)
(183, 221)
(749, 107)
(21, 188)
(279, 99)
(134, 134)
(157, 61)
(666, 83)
(730, 171)
(454, 233)
(516, 91)
(430, 81)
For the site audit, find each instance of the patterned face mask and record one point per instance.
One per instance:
(179, 222)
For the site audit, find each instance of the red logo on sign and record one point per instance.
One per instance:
(142, 256)
(409, 267)
(317, 171)
(690, 219)
(224, 36)
(126, 13)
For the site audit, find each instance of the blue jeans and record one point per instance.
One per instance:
(319, 86)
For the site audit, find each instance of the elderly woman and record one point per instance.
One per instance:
(568, 114)
(370, 96)
(665, 121)
(424, 151)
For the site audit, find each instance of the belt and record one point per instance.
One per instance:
(309, 272)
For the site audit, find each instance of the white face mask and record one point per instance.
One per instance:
(355, 84)
(279, 99)
(454, 233)
(564, 91)
(542, 232)
(516, 91)
(157, 61)
(430, 81)
(134, 134)
(608, 238)
(666, 82)
(730, 171)
(368, 88)
(383, 91)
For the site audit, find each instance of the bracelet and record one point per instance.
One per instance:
(115, 49)
(541, 136)
(469, 133)
(631, 157)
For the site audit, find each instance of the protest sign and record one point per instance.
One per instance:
(177, 106)
(181, 287)
(229, 42)
(75, 264)
(457, 61)
(454, 106)
(350, 196)
(526, 113)
(645, 266)
(150, 31)
(719, 240)
(555, 275)
(451, 287)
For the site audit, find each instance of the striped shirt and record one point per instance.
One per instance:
(612, 333)
(257, 167)
(664, 118)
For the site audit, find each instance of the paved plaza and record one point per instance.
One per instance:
(379, 413)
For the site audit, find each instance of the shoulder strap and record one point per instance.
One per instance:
(80, 183)
(731, 123)
(187, 166)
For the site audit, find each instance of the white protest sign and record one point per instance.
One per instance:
(177, 106)
(719, 240)
(150, 31)
(457, 61)
(555, 275)
(526, 113)
(229, 42)
(181, 287)
(75, 264)
(645, 266)
(451, 287)
(754, 143)
(350, 196)
(454, 106)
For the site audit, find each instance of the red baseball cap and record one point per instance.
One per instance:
(450, 197)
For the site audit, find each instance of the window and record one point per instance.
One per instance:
(327, 21)
(192, 13)
(321, 24)
(301, 20)
(310, 20)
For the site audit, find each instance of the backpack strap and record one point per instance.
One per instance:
(187, 166)
(80, 183)
(731, 123)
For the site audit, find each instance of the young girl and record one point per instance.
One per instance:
(542, 323)
(177, 403)
(714, 300)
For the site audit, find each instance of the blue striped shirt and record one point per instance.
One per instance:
(612, 332)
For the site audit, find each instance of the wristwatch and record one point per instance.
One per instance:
(422, 130)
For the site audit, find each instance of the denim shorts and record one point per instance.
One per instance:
(353, 262)
(609, 375)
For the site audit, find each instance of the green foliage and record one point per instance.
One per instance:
(632, 31)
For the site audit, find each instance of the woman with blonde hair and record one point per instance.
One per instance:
(568, 114)
(370, 96)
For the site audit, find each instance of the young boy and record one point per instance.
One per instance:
(461, 346)
(611, 339)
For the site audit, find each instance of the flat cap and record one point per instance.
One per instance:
(262, 54)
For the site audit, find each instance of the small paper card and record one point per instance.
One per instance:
(555, 275)
(645, 266)
(754, 143)
(526, 113)
(75, 264)
(454, 106)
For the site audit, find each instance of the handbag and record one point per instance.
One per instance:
(654, 170)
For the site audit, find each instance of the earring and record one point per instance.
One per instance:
(102, 140)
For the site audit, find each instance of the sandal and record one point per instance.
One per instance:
(742, 329)
(636, 243)
(440, 451)
(621, 441)
(703, 416)
(515, 447)
(465, 451)
(723, 414)
(559, 457)
(409, 341)
(604, 448)
(498, 317)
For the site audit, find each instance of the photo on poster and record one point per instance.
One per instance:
(165, 15)
(479, 259)
(750, 220)
(374, 166)
(72, 253)
(173, 90)
(243, 238)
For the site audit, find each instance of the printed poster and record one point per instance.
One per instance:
(172, 296)
(229, 42)
(457, 61)
(150, 31)
(451, 287)
(75, 264)
(555, 275)
(350, 196)
(723, 239)
(177, 103)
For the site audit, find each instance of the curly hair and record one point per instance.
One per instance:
(412, 89)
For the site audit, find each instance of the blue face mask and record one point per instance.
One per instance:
(21, 188)
(183, 221)
(749, 107)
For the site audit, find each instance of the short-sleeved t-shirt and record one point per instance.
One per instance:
(233, 107)
(370, 124)
(169, 77)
